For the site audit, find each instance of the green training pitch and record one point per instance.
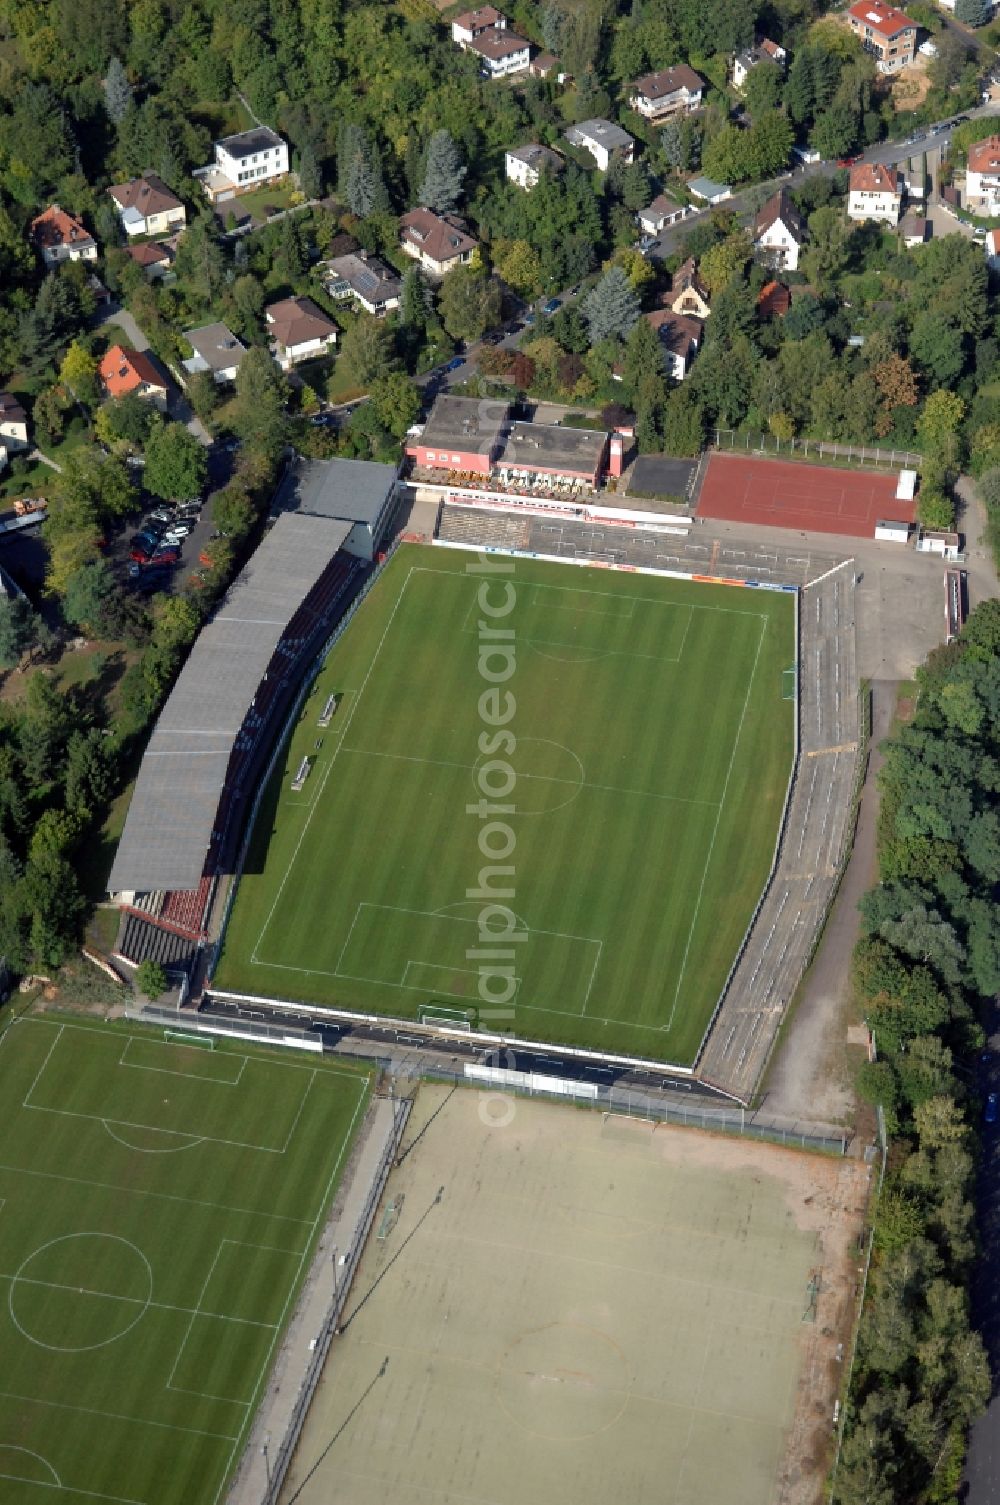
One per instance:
(155, 1225)
(653, 749)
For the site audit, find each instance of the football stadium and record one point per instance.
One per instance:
(545, 802)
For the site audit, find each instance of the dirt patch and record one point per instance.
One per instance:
(910, 86)
(570, 1304)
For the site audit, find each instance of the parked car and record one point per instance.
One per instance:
(455, 362)
(141, 553)
(849, 161)
(147, 535)
(162, 515)
(167, 554)
(645, 242)
(495, 337)
(550, 307)
(992, 1110)
(177, 531)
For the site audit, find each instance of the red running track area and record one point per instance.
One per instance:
(811, 498)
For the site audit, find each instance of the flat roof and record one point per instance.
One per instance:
(464, 424)
(175, 802)
(538, 445)
(354, 491)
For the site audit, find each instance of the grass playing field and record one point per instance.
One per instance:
(653, 747)
(155, 1222)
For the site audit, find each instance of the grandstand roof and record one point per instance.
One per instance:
(348, 490)
(173, 810)
(465, 424)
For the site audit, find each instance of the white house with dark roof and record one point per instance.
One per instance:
(603, 140)
(500, 52)
(473, 23)
(524, 165)
(13, 427)
(146, 206)
(216, 349)
(299, 331)
(670, 91)
(746, 61)
(779, 233)
(243, 162)
(663, 211)
(362, 278)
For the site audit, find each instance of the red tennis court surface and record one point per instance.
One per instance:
(811, 498)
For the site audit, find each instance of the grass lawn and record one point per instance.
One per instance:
(653, 749)
(340, 387)
(155, 1228)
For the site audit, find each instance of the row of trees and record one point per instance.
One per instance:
(928, 959)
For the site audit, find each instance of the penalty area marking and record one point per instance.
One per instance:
(191, 1075)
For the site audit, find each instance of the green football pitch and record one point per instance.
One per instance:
(654, 742)
(158, 1206)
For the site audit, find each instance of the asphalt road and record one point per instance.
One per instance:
(932, 139)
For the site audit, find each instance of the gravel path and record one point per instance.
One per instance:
(807, 1075)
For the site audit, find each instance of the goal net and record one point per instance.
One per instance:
(182, 1037)
(433, 1013)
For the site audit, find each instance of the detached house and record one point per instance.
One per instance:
(13, 427)
(474, 23)
(500, 53)
(602, 140)
(671, 91)
(667, 92)
(59, 237)
(876, 192)
(243, 162)
(524, 165)
(147, 207)
(362, 278)
(155, 258)
(123, 371)
(438, 241)
(982, 177)
(680, 338)
(216, 349)
(663, 211)
(779, 233)
(299, 330)
(885, 32)
(688, 294)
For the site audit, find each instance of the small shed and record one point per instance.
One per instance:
(933, 541)
(906, 486)
(887, 531)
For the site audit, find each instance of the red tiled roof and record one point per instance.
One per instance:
(124, 370)
(149, 254)
(873, 177)
(885, 19)
(57, 228)
(984, 156)
(774, 300)
(677, 332)
(497, 44)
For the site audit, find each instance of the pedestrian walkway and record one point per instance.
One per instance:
(332, 1268)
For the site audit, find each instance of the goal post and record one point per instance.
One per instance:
(436, 1013)
(789, 682)
(183, 1037)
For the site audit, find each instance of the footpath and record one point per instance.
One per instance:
(325, 1287)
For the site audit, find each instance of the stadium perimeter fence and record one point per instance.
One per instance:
(331, 1322)
(757, 443)
(625, 1102)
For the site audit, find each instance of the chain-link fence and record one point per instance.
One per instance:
(758, 443)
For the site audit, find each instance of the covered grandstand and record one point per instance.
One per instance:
(216, 728)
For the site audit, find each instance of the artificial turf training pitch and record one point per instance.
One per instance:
(653, 749)
(158, 1206)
